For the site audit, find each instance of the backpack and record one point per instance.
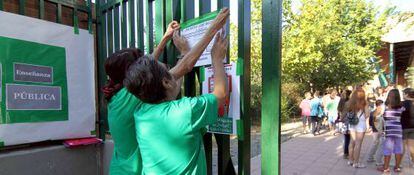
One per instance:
(352, 117)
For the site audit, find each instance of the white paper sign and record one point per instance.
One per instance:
(194, 29)
(230, 112)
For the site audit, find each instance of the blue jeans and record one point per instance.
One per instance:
(316, 124)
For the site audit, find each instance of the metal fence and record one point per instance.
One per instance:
(141, 24)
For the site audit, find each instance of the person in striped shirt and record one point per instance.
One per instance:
(393, 131)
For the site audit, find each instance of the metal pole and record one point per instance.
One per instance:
(271, 85)
(391, 64)
(244, 58)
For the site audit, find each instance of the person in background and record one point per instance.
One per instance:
(380, 94)
(326, 98)
(407, 123)
(357, 105)
(316, 108)
(341, 110)
(332, 107)
(371, 101)
(393, 143)
(377, 123)
(306, 112)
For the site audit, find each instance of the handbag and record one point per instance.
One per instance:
(352, 117)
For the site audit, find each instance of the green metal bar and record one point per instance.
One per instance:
(110, 4)
(187, 13)
(1, 4)
(75, 21)
(71, 4)
(225, 164)
(116, 28)
(59, 13)
(101, 43)
(392, 64)
(173, 12)
(131, 23)
(271, 85)
(140, 26)
(110, 33)
(244, 57)
(41, 9)
(150, 26)
(90, 16)
(159, 23)
(204, 6)
(22, 7)
(208, 142)
(124, 29)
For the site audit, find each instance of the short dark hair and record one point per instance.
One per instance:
(409, 92)
(379, 102)
(144, 80)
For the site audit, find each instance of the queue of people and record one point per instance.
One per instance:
(386, 114)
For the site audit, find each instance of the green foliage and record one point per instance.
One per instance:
(328, 42)
(291, 98)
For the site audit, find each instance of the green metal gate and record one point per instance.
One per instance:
(130, 23)
(116, 20)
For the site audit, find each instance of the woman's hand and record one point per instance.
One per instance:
(220, 20)
(181, 43)
(172, 27)
(219, 50)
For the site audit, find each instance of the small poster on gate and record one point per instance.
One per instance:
(229, 112)
(194, 29)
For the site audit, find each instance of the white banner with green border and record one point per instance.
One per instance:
(229, 112)
(194, 29)
(47, 81)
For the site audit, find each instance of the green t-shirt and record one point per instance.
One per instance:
(170, 135)
(332, 107)
(126, 158)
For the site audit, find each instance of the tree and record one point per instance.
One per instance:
(328, 43)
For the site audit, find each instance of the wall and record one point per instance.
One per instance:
(57, 160)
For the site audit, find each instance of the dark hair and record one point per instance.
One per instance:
(409, 92)
(316, 93)
(379, 102)
(344, 98)
(393, 99)
(144, 79)
(116, 66)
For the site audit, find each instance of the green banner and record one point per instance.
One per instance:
(33, 82)
(200, 19)
(223, 125)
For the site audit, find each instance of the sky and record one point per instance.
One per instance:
(402, 5)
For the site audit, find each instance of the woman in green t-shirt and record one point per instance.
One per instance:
(169, 131)
(126, 159)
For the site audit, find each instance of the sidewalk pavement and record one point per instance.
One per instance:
(322, 155)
